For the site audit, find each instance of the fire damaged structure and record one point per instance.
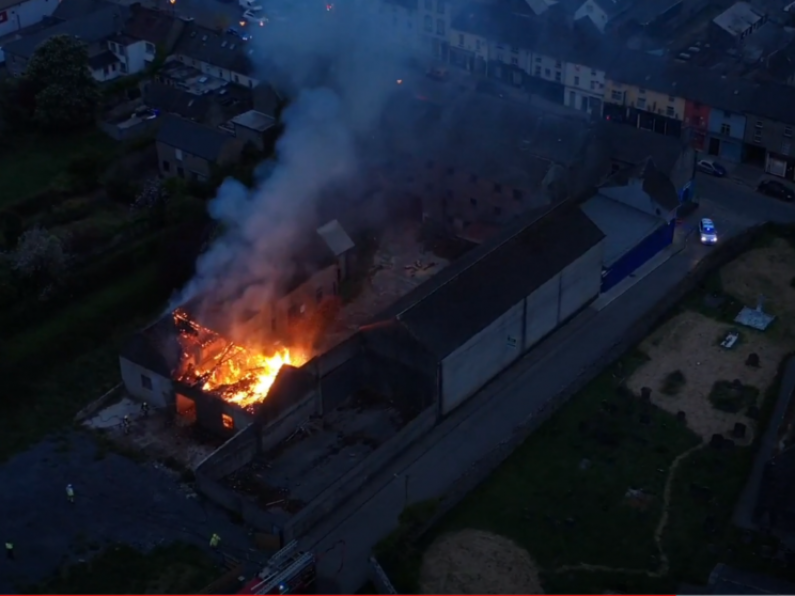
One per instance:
(309, 428)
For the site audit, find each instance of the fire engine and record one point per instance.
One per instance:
(289, 571)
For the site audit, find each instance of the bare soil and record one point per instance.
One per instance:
(477, 562)
(767, 271)
(690, 343)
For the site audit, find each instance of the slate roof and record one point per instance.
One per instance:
(91, 28)
(196, 139)
(154, 26)
(216, 48)
(774, 101)
(466, 297)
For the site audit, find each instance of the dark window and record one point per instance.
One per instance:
(227, 421)
(319, 295)
(166, 166)
(498, 188)
(517, 195)
(450, 171)
(473, 178)
(146, 382)
(473, 202)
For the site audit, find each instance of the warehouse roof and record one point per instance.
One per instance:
(446, 311)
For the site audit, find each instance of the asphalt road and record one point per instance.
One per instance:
(117, 501)
(481, 424)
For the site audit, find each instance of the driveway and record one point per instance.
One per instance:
(117, 501)
(430, 468)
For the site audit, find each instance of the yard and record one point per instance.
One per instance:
(619, 494)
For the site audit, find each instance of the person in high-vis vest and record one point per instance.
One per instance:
(10, 551)
(70, 493)
(215, 541)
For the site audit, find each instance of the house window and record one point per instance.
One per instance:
(498, 187)
(617, 96)
(758, 126)
(227, 421)
(460, 40)
(576, 81)
(517, 195)
(572, 99)
(146, 382)
(166, 166)
(788, 132)
(547, 72)
(150, 48)
(439, 27)
(123, 67)
(558, 76)
(726, 129)
(497, 211)
(538, 71)
(178, 154)
(473, 202)
(319, 295)
(670, 112)
(641, 103)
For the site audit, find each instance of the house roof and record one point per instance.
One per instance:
(335, 237)
(153, 348)
(102, 60)
(91, 28)
(254, 120)
(154, 26)
(216, 48)
(737, 18)
(656, 184)
(630, 145)
(774, 101)
(168, 98)
(466, 297)
(196, 139)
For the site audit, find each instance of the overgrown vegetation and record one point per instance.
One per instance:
(732, 396)
(178, 568)
(673, 383)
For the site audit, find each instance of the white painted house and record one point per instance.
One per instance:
(585, 77)
(19, 14)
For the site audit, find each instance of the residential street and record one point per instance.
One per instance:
(488, 418)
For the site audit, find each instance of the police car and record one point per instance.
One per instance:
(709, 235)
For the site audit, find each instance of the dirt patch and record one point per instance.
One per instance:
(769, 271)
(689, 343)
(477, 562)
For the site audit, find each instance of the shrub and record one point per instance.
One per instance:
(732, 396)
(673, 383)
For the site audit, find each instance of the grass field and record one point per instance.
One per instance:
(37, 160)
(174, 569)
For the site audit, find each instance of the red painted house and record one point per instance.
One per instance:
(696, 121)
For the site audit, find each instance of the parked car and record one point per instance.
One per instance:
(238, 33)
(711, 167)
(706, 227)
(253, 18)
(777, 190)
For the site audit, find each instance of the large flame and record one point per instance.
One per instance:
(237, 374)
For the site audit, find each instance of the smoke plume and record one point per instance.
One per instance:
(337, 72)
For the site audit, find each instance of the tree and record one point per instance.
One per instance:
(12, 227)
(39, 259)
(65, 94)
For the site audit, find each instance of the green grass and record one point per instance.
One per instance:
(175, 569)
(36, 161)
(562, 512)
(86, 368)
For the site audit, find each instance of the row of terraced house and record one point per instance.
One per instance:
(733, 118)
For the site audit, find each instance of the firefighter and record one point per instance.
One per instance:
(125, 423)
(10, 551)
(145, 409)
(215, 541)
(70, 493)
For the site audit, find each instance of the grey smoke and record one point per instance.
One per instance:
(339, 73)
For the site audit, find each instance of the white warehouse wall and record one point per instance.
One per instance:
(482, 357)
(132, 374)
(541, 312)
(581, 281)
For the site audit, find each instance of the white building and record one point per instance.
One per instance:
(19, 14)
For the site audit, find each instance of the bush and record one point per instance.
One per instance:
(732, 396)
(12, 227)
(84, 171)
(44, 201)
(673, 383)
(67, 212)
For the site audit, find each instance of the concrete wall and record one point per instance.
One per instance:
(409, 389)
(340, 491)
(337, 385)
(126, 131)
(211, 411)
(232, 455)
(160, 395)
(274, 433)
(541, 312)
(581, 282)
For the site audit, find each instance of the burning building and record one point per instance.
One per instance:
(221, 379)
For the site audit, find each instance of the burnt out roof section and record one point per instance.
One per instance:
(289, 388)
(529, 253)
